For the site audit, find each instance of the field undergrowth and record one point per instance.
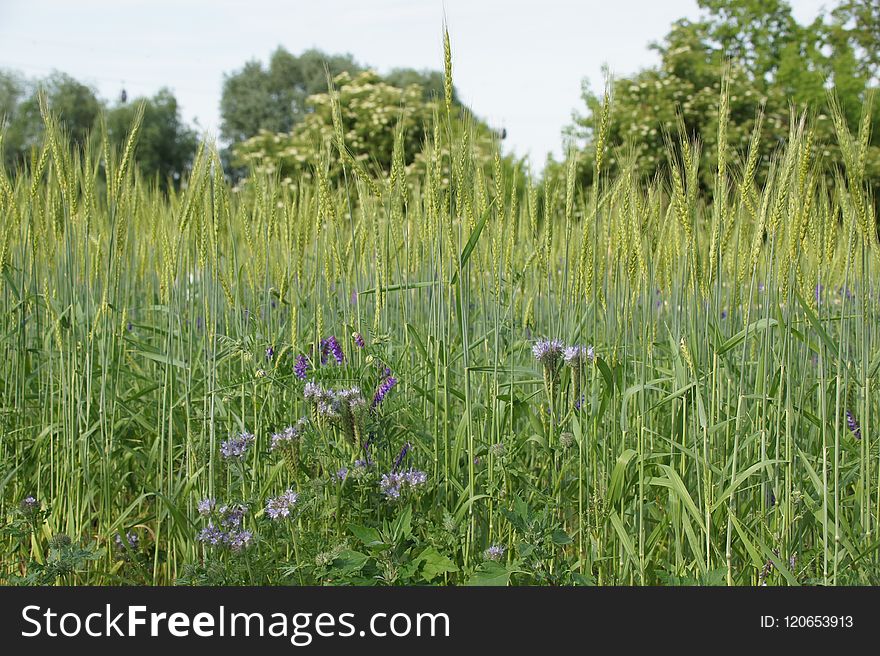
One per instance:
(450, 374)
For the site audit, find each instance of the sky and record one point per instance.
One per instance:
(518, 64)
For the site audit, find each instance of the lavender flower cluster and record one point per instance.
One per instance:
(224, 527)
(289, 435)
(236, 446)
(330, 346)
(384, 387)
(331, 404)
(853, 424)
(547, 351)
(394, 483)
(130, 541)
(280, 506)
(301, 366)
(576, 355)
(495, 552)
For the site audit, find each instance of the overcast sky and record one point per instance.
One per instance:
(518, 64)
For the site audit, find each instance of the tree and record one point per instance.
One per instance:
(165, 145)
(376, 116)
(431, 82)
(76, 105)
(11, 91)
(273, 99)
(772, 62)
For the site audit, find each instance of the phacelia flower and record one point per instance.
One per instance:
(576, 355)
(301, 366)
(358, 340)
(394, 483)
(232, 515)
(495, 552)
(29, 505)
(384, 388)
(547, 351)
(281, 506)
(312, 392)
(60, 541)
(212, 535)
(238, 540)
(853, 424)
(289, 435)
(270, 353)
(236, 447)
(206, 506)
(130, 541)
(341, 474)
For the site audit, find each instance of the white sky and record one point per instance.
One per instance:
(517, 63)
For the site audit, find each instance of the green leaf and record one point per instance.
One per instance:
(370, 537)
(752, 329)
(615, 490)
(435, 564)
(490, 573)
(350, 562)
(472, 241)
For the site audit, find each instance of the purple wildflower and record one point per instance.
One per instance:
(390, 485)
(329, 347)
(853, 424)
(29, 505)
(238, 540)
(281, 505)
(130, 541)
(231, 516)
(289, 434)
(206, 506)
(575, 355)
(384, 388)
(341, 474)
(212, 535)
(400, 456)
(312, 392)
(547, 351)
(236, 447)
(270, 353)
(358, 340)
(495, 552)
(415, 477)
(301, 366)
(394, 483)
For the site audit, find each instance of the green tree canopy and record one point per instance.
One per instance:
(75, 103)
(166, 145)
(273, 98)
(378, 120)
(772, 62)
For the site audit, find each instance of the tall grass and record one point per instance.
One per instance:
(710, 440)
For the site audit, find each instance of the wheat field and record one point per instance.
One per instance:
(455, 373)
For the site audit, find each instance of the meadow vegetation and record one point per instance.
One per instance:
(443, 370)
